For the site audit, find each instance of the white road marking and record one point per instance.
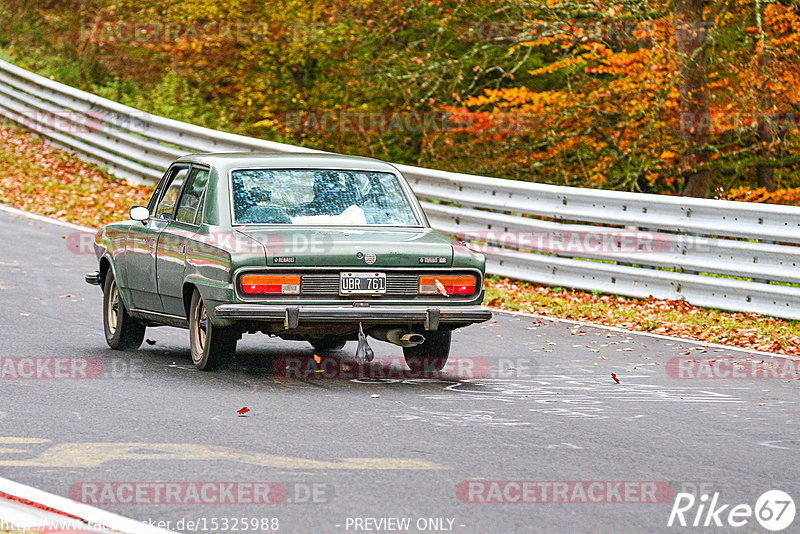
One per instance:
(88, 455)
(772, 444)
(42, 218)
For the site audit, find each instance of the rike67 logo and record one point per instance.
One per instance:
(774, 510)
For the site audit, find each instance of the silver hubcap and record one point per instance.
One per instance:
(200, 326)
(112, 310)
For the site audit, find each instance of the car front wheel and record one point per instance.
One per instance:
(212, 347)
(122, 331)
(431, 355)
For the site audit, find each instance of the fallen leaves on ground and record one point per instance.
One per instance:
(667, 317)
(36, 177)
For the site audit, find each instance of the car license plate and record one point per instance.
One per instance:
(362, 284)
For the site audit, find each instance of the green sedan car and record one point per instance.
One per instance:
(321, 248)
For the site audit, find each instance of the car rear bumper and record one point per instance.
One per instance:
(292, 316)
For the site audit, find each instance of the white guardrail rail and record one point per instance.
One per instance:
(731, 255)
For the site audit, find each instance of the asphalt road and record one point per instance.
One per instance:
(532, 400)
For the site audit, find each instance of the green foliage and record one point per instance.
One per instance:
(603, 108)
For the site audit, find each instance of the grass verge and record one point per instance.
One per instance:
(36, 177)
(667, 317)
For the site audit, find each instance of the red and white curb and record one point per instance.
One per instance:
(28, 508)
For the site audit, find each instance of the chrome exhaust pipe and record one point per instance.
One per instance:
(398, 336)
(411, 340)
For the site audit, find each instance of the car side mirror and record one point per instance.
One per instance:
(140, 213)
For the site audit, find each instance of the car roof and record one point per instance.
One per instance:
(286, 160)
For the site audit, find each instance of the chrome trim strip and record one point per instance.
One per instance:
(160, 318)
(369, 314)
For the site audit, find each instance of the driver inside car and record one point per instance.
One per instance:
(332, 195)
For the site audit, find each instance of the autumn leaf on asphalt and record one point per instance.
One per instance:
(317, 359)
(614, 376)
(242, 411)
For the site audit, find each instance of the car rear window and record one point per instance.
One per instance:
(320, 197)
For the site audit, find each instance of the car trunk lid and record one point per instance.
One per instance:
(356, 247)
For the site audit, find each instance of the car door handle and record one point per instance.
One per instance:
(182, 249)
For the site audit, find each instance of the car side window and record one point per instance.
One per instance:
(162, 184)
(166, 208)
(190, 199)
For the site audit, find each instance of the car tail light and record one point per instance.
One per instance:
(447, 285)
(261, 284)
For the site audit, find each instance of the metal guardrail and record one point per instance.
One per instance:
(729, 255)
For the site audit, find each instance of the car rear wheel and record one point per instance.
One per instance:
(328, 344)
(122, 331)
(212, 347)
(431, 355)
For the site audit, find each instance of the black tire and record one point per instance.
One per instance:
(431, 355)
(328, 344)
(212, 347)
(122, 331)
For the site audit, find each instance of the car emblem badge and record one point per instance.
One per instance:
(370, 258)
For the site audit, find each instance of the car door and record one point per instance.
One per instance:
(171, 248)
(140, 250)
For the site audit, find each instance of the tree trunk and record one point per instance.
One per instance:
(766, 175)
(766, 134)
(690, 36)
